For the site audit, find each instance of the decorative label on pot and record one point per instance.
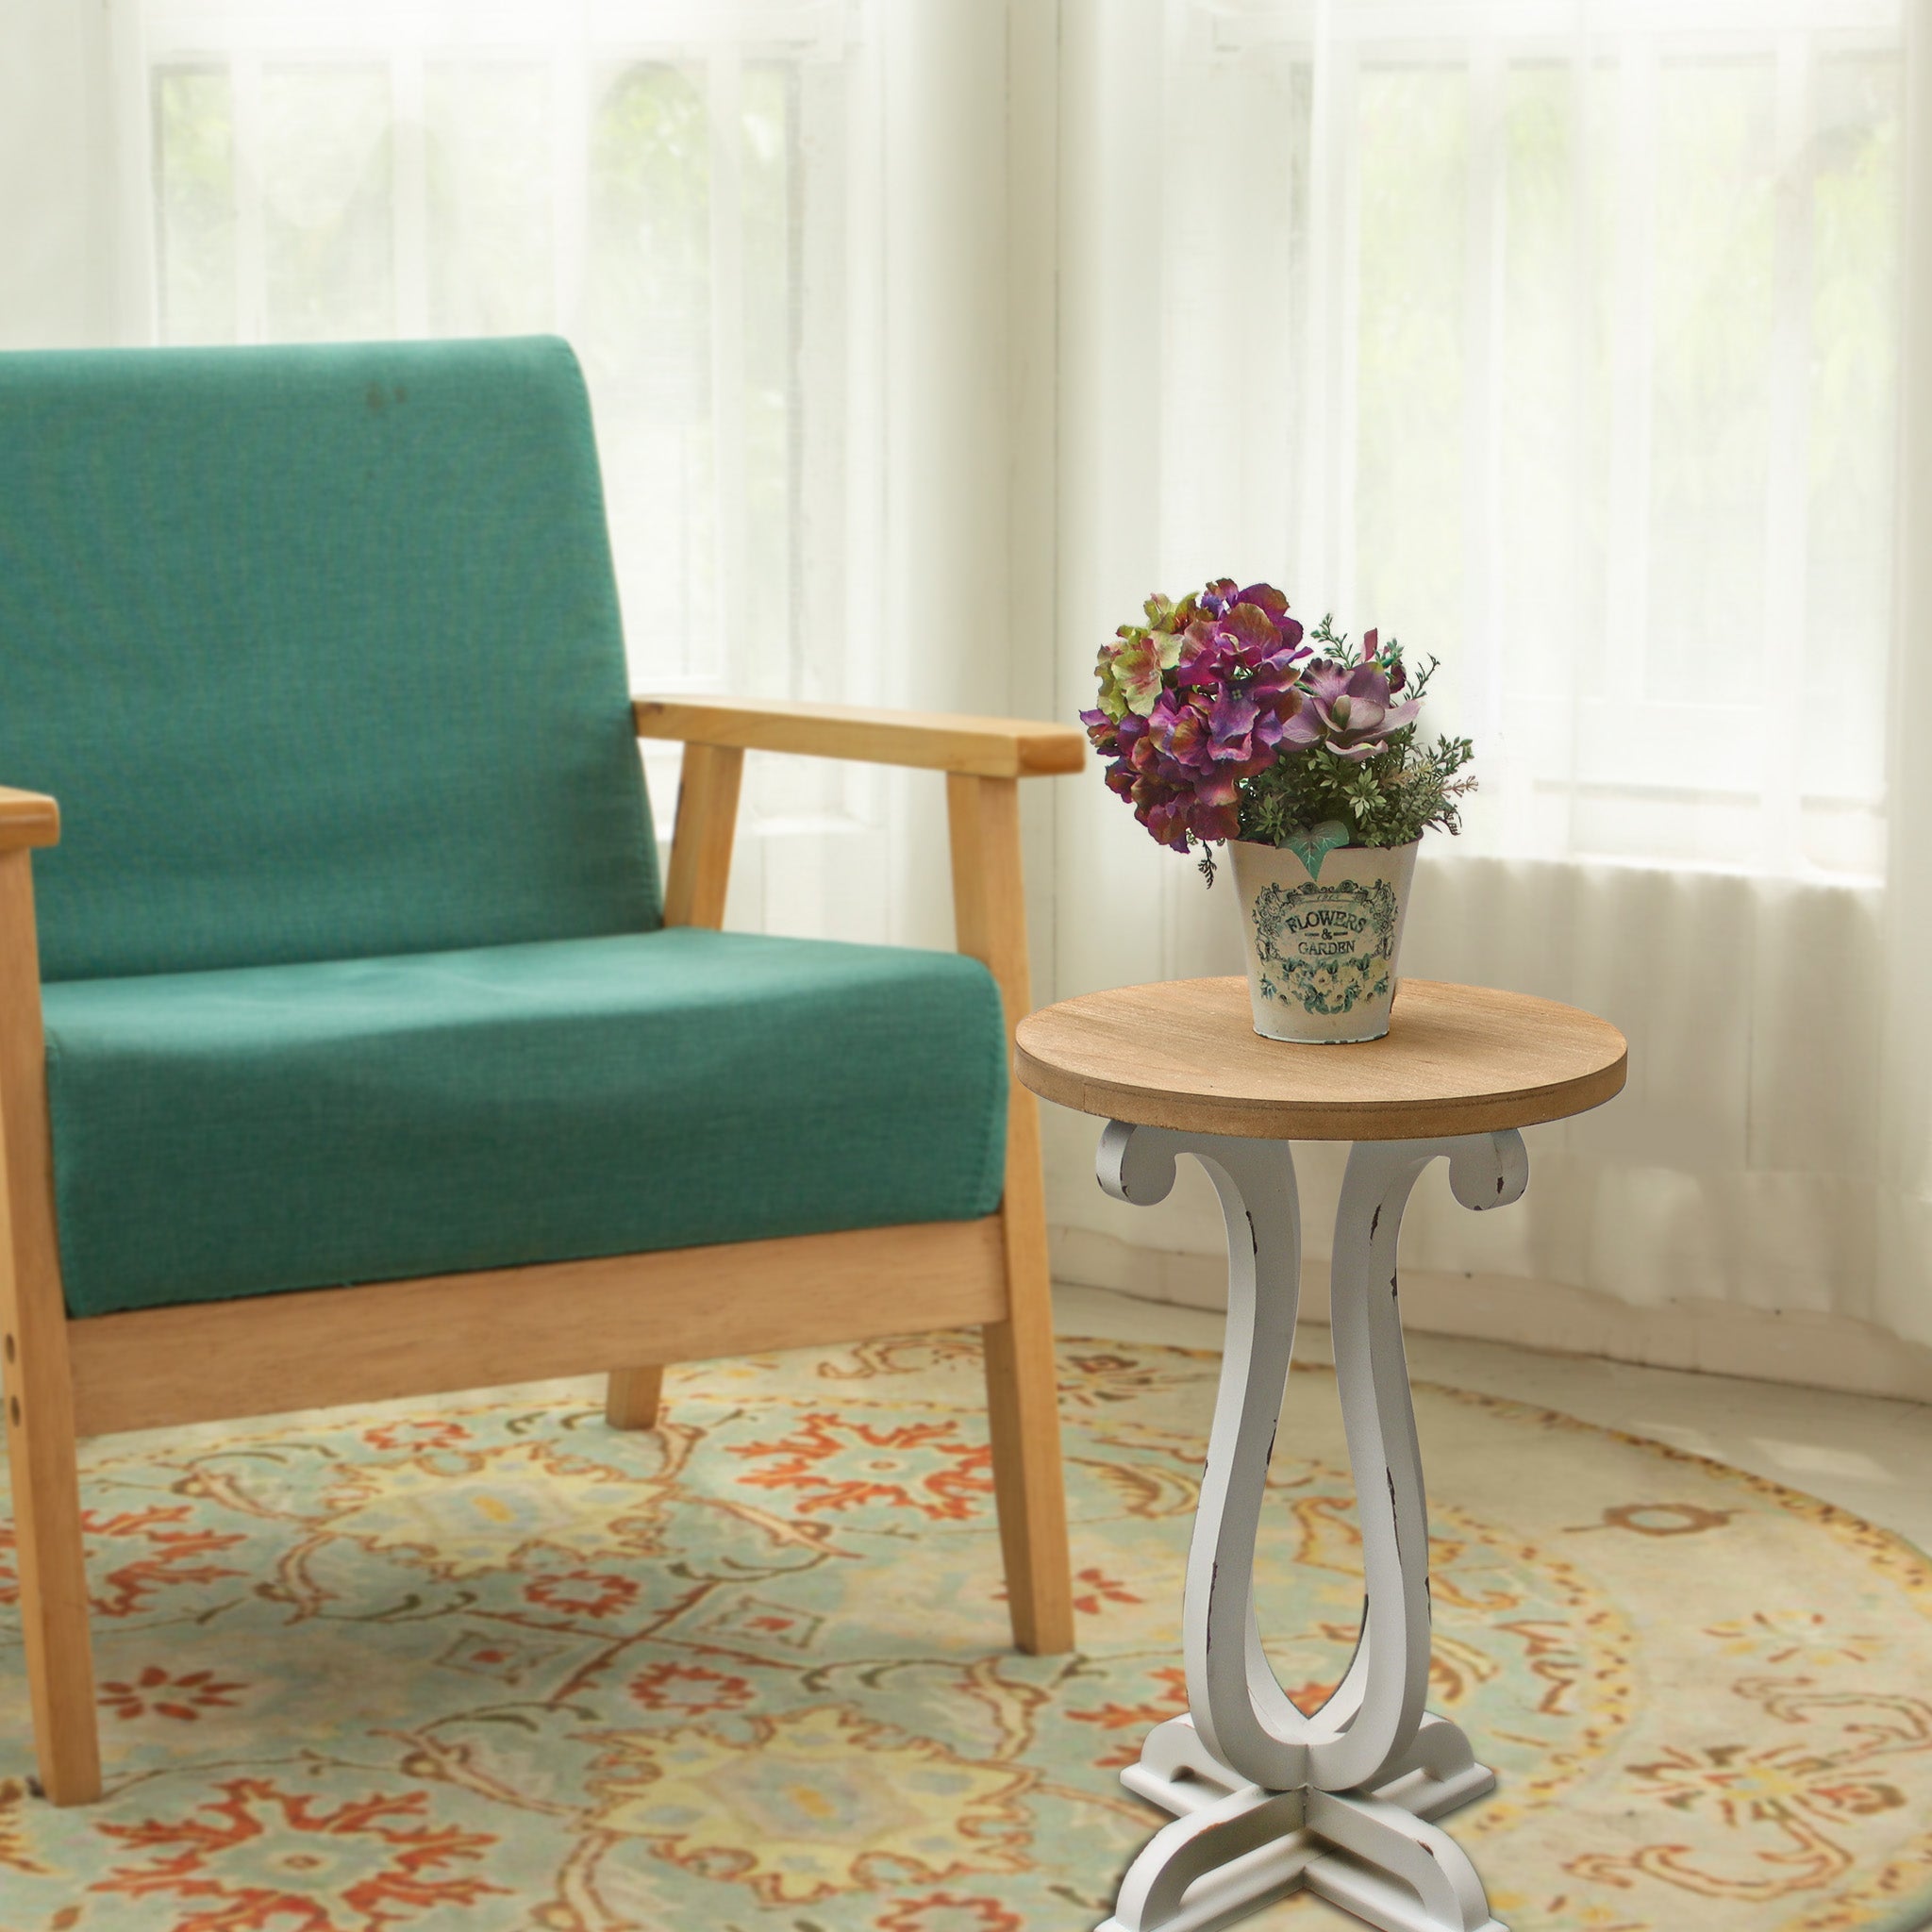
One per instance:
(1326, 947)
(1322, 941)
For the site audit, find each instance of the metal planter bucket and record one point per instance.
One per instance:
(1321, 945)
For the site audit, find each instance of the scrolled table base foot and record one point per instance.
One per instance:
(1234, 1848)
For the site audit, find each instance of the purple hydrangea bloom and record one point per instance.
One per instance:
(1228, 693)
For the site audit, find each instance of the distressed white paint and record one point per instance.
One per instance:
(1268, 1799)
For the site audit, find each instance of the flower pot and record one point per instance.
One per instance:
(1322, 945)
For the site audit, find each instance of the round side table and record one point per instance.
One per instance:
(1268, 1799)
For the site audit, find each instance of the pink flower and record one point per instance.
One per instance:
(1350, 710)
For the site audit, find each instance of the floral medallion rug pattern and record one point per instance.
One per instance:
(486, 1664)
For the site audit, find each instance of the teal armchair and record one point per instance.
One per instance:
(349, 1047)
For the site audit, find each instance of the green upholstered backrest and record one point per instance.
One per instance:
(319, 650)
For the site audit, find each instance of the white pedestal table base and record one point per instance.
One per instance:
(1269, 1799)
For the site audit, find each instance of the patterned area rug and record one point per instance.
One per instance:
(487, 1665)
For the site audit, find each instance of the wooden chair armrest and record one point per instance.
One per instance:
(932, 741)
(27, 818)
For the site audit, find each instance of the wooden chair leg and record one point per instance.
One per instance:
(1021, 1386)
(35, 1380)
(53, 1583)
(1024, 1417)
(633, 1397)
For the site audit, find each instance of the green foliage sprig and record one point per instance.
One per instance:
(1409, 788)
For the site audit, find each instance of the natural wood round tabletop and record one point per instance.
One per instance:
(1457, 1060)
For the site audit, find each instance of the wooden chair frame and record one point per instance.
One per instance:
(65, 1378)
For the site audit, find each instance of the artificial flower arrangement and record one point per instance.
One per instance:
(1226, 722)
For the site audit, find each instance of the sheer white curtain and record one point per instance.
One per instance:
(1562, 339)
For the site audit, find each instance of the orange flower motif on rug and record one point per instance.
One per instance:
(172, 1555)
(417, 1436)
(582, 1593)
(1137, 1720)
(184, 1697)
(1093, 1590)
(259, 1856)
(830, 1462)
(690, 1689)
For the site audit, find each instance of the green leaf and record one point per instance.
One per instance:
(1312, 847)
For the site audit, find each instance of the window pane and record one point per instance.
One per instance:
(1543, 421)
(327, 236)
(770, 370)
(1711, 371)
(647, 316)
(194, 205)
(489, 192)
(1855, 228)
(1412, 148)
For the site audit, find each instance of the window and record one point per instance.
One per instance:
(1566, 350)
(669, 183)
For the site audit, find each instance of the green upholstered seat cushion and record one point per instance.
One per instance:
(240, 1132)
(319, 649)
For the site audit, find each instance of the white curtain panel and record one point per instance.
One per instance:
(1563, 340)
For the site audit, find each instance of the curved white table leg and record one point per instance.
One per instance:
(1371, 1765)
